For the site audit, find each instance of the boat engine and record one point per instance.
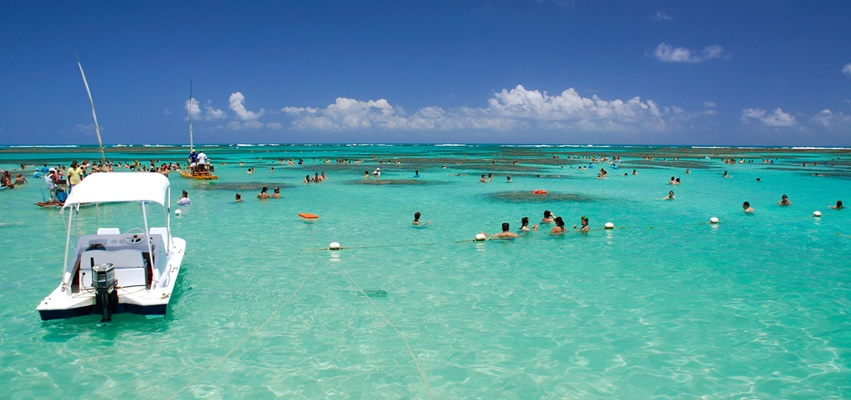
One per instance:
(103, 280)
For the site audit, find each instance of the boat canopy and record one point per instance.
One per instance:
(113, 187)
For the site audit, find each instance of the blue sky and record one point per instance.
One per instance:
(548, 71)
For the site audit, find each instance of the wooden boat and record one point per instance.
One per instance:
(190, 172)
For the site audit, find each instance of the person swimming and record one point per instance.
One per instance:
(559, 228)
(506, 232)
(277, 193)
(584, 222)
(670, 196)
(747, 207)
(524, 225)
(417, 218)
(238, 198)
(264, 193)
(784, 201)
(184, 199)
(838, 205)
(548, 217)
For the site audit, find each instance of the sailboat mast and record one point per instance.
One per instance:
(94, 115)
(191, 146)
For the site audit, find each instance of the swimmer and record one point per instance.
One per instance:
(482, 179)
(277, 193)
(524, 225)
(263, 193)
(677, 182)
(417, 174)
(784, 201)
(559, 228)
(416, 218)
(506, 232)
(508, 179)
(365, 175)
(307, 178)
(634, 172)
(238, 198)
(584, 227)
(548, 217)
(727, 176)
(184, 199)
(838, 205)
(670, 196)
(688, 171)
(250, 170)
(672, 181)
(747, 207)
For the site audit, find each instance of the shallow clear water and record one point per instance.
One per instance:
(664, 305)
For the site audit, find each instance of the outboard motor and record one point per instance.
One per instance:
(103, 280)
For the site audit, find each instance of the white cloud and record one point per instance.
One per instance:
(830, 120)
(193, 107)
(666, 53)
(846, 69)
(166, 111)
(514, 109)
(236, 104)
(776, 119)
(661, 16)
(213, 113)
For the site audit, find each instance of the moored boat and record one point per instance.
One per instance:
(108, 270)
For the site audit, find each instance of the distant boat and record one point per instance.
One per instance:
(202, 172)
(109, 271)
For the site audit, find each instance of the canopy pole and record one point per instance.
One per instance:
(67, 243)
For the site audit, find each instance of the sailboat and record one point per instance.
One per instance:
(202, 172)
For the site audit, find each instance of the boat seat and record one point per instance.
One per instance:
(129, 266)
(109, 231)
(162, 231)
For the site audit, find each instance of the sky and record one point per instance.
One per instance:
(504, 71)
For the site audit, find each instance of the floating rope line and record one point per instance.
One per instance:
(402, 336)
(254, 332)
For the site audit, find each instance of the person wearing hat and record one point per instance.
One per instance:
(50, 180)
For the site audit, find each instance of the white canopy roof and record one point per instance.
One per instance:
(111, 187)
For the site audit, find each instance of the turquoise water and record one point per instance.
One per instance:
(665, 305)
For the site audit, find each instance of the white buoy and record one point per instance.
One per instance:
(714, 220)
(610, 225)
(816, 213)
(480, 237)
(334, 246)
(177, 212)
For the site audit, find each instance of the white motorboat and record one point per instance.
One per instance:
(107, 270)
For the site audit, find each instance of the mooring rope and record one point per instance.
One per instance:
(254, 332)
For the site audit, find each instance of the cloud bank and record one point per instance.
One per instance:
(515, 109)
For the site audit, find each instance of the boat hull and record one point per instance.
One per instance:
(198, 175)
(61, 304)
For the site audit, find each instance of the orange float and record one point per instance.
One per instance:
(539, 191)
(308, 215)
